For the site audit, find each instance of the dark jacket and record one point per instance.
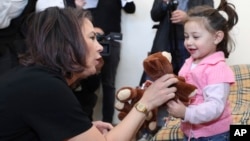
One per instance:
(107, 14)
(161, 13)
(12, 38)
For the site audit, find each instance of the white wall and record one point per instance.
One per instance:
(138, 36)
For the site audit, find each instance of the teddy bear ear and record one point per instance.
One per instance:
(157, 65)
(167, 55)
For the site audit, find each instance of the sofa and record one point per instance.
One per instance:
(239, 98)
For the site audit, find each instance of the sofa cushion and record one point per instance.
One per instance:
(240, 95)
(239, 101)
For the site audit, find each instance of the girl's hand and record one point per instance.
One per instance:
(176, 109)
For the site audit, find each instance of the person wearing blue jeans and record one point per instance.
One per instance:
(220, 137)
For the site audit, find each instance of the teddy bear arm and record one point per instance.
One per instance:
(125, 94)
(123, 106)
(180, 78)
(184, 91)
(138, 97)
(122, 115)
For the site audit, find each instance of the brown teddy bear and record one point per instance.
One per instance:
(155, 66)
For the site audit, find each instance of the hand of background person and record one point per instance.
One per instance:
(178, 16)
(103, 127)
(166, 1)
(80, 3)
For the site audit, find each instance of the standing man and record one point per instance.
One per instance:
(107, 16)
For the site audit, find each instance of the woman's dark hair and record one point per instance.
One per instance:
(55, 40)
(215, 21)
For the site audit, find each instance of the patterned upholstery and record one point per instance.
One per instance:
(239, 99)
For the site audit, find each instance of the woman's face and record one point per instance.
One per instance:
(94, 49)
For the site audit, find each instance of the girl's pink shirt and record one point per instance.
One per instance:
(209, 112)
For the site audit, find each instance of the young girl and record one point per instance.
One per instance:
(207, 39)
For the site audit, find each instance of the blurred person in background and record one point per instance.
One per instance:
(107, 16)
(12, 31)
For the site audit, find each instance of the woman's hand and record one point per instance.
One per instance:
(103, 127)
(159, 92)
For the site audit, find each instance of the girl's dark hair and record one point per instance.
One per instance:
(55, 40)
(215, 21)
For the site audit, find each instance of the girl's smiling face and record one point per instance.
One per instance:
(199, 42)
